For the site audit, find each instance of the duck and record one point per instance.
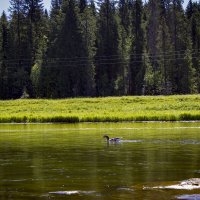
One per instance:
(111, 140)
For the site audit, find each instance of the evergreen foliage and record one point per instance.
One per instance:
(107, 56)
(4, 55)
(136, 67)
(103, 48)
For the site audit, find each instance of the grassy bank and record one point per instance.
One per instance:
(110, 109)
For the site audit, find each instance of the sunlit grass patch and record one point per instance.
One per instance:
(109, 109)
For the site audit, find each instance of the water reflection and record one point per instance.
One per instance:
(55, 161)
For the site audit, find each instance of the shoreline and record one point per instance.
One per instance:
(110, 122)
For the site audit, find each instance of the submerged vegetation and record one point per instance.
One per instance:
(109, 109)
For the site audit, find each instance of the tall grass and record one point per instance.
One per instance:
(109, 109)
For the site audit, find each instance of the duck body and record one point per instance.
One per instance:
(112, 140)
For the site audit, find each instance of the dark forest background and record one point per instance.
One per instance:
(99, 48)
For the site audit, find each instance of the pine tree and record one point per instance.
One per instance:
(159, 49)
(55, 21)
(107, 57)
(128, 48)
(182, 68)
(88, 28)
(48, 72)
(125, 41)
(93, 8)
(19, 42)
(166, 49)
(75, 48)
(193, 15)
(70, 76)
(152, 47)
(34, 14)
(16, 11)
(56, 5)
(33, 10)
(82, 5)
(4, 57)
(41, 40)
(136, 67)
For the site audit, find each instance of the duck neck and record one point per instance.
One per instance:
(107, 138)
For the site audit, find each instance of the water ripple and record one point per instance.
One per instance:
(88, 129)
(182, 142)
(73, 192)
(125, 189)
(189, 197)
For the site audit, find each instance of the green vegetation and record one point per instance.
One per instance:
(109, 109)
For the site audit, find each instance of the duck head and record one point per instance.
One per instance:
(106, 136)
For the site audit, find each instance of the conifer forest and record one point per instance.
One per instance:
(86, 48)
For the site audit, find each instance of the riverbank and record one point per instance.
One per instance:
(108, 109)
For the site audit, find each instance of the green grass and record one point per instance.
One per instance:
(109, 109)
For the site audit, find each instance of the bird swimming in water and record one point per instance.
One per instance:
(111, 140)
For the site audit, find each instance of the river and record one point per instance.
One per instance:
(73, 161)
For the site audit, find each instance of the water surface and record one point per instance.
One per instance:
(73, 161)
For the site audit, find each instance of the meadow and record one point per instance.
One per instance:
(108, 109)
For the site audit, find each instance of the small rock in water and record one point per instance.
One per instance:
(192, 181)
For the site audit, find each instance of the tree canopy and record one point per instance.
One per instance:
(99, 48)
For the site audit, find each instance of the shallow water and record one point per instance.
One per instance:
(60, 161)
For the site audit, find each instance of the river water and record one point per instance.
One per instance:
(73, 161)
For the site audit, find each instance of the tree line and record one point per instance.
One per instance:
(99, 48)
